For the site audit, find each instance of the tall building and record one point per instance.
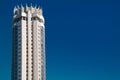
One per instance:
(28, 44)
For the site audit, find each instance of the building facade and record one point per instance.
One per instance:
(28, 44)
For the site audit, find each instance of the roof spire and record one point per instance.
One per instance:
(26, 7)
(31, 4)
(21, 6)
(17, 6)
(35, 6)
(38, 7)
(15, 9)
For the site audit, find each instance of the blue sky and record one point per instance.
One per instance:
(82, 38)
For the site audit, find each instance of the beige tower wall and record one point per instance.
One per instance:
(23, 54)
(29, 46)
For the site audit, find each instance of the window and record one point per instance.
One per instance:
(24, 18)
(40, 20)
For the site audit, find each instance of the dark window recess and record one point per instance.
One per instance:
(41, 45)
(37, 18)
(24, 18)
(19, 19)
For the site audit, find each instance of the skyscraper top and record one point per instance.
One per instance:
(32, 9)
(21, 11)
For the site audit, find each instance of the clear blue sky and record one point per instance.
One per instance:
(82, 39)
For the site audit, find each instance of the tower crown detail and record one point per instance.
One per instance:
(21, 11)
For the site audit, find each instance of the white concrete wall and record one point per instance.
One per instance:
(23, 42)
(29, 47)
